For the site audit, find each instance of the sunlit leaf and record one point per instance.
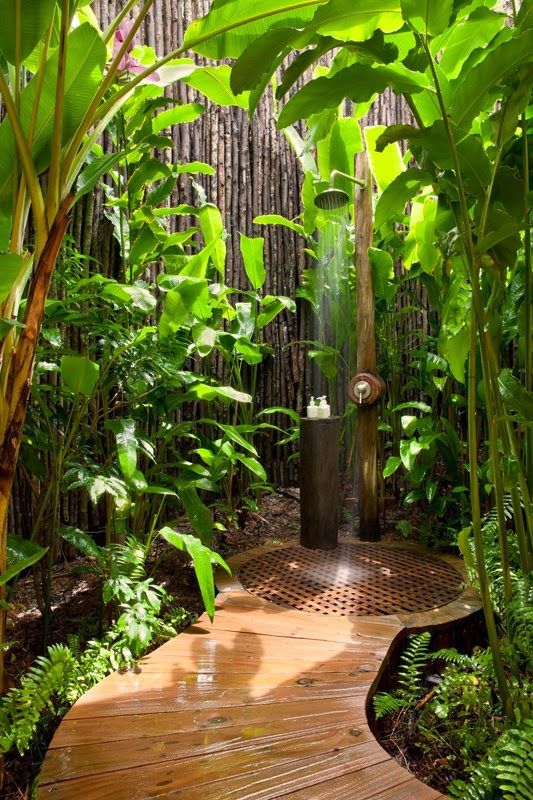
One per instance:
(214, 83)
(22, 28)
(475, 89)
(252, 256)
(231, 25)
(427, 16)
(79, 374)
(358, 83)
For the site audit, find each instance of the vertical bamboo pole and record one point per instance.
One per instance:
(366, 436)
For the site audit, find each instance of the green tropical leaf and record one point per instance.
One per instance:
(294, 415)
(11, 268)
(252, 256)
(127, 445)
(395, 133)
(516, 397)
(79, 374)
(188, 112)
(272, 306)
(197, 512)
(253, 465)
(474, 91)
(234, 435)
(385, 164)
(460, 40)
(249, 351)
(357, 20)
(22, 28)
(130, 296)
(205, 392)
(86, 56)
(399, 192)
(7, 325)
(190, 298)
(204, 339)
(277, 219)
(427, 16)
(261, 59)
(21, 554)
(393, 462)
(214, 83)
(358, 83)
(92, 173)
(192, 168)
(203, 559)
(337, 151)
(418, 404)
(213, 230)
(81, 541)
(232, 25)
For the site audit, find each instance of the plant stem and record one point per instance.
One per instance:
(53, 193)
(476, 525)
(479, 322)
(528, 289)
(23, 149)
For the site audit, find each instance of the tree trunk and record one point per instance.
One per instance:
(367, 428)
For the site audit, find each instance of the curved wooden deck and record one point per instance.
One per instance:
(265, 703)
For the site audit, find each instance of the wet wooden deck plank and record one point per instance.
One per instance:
(79, 732)
(255, 742)
(265, 703)
(228, 776)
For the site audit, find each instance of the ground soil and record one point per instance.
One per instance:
(76, 605)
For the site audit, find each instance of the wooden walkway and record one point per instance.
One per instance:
(267, 702)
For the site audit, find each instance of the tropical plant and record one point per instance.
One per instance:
(466, 76)
(410, 670)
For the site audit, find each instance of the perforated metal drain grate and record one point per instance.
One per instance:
(357, 578)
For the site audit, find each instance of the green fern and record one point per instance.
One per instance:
(386, 704)
(506, 773)
(42, 692)
(514, 767)
(413, 662)
(412, 665)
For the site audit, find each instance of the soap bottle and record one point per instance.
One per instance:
(312, 409)
(323, 410)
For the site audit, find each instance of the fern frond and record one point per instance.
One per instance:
(412, 665)
(514, 765)
(506, 772)
(386, 703)
(41, 690)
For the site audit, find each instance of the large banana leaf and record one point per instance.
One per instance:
(30, 26)
(231, 25)
(357, 20)
(358, 82)
(427, 16)
(474, 92)
(86, 55)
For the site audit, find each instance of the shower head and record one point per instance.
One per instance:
(332, 199)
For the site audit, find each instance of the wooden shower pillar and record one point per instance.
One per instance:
(366, 429)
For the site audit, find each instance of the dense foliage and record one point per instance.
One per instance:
(107, 386)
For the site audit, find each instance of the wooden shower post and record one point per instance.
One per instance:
(366, 437)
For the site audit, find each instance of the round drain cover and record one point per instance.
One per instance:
(359, 578)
